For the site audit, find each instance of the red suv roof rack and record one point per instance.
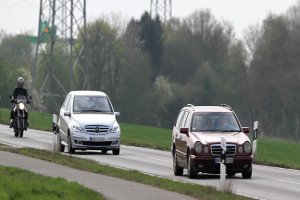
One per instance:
(226, 106)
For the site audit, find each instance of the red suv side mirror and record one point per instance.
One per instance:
(246, 129)
(184, 131)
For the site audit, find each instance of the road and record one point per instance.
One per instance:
(266, 183)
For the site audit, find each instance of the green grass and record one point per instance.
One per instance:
(22, 185)
(194, 190)
(4, 115)
(269, 151)
(279, 153)
(37, 120)
(145, 136)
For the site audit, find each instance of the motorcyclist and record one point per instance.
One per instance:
(19, 90)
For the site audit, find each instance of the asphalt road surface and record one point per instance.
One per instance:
(266, 183)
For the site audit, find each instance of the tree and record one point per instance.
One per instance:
(4, 84)
(200, 59)
(17, 52)
(210, 36)
(251, 40)
(15, 61)
(151, 34)
(199, 39)
(103, 53)
(274, 74)
(238, 83)
(134, 85)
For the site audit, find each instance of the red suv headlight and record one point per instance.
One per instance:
(198, 147)
(247, 147)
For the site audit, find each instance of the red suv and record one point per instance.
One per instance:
(196, 141)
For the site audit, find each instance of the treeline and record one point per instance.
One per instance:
(150, 69)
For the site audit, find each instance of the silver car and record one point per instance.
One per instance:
(87, 121)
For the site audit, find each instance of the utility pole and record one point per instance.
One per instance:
(60, 22)
(161, 8)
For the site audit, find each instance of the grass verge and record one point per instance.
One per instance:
(274, 152)
(269, 151)
(14, 185)
(37, 120)
(194, 190)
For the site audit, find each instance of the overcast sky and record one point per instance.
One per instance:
(19, 16)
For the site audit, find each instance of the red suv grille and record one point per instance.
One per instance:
(216, 149)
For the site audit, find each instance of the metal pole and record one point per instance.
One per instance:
(71, 46)
(170, 2)
(38, 40)
(151, 7)
(86, 63)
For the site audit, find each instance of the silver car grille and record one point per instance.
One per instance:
(96, 129)
(216, 149)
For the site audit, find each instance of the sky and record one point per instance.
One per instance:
(19, 16)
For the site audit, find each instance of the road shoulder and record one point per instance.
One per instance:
(111, 188)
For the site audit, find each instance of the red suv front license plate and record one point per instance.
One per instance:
(228, 160)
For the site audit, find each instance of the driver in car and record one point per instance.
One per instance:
(222, 123)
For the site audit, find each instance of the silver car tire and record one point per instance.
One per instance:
(71, 150)
(61, 147)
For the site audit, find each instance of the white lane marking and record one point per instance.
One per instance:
(160, 160)
(284, 181)
(279, 168)
(250, 196)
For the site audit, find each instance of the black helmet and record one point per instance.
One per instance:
(20, 82)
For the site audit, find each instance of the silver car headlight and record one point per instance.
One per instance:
(198, 147)
(115, 128)
(247, 147)
(76, 128)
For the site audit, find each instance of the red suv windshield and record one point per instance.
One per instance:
(215, 122)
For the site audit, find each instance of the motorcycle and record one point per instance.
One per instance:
(20, 111)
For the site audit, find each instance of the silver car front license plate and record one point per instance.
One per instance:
(97, 139)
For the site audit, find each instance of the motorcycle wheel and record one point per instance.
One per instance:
(21, 128)
(21, 133)
(16, 131)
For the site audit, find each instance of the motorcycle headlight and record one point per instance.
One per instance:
(247, 147)
(77, 128)
(115, 128)
(21, 106)
(198, 147)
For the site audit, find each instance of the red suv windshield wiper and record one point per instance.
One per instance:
(230, 131)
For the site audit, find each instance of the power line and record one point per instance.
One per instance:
(61, 22)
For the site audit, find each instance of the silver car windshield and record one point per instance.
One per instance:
(83, 104)
(215, 122)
